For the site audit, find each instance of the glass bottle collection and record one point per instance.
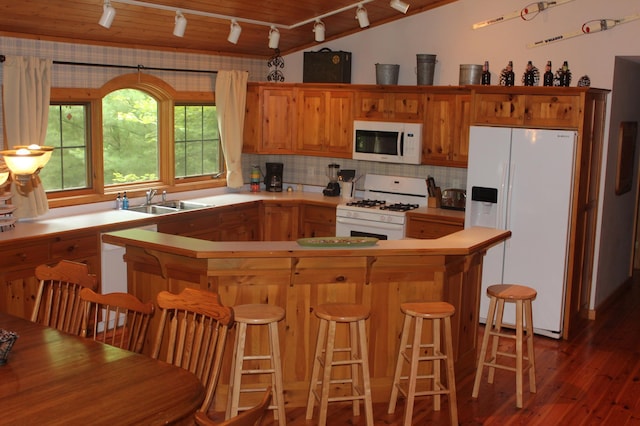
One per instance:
(531, 75)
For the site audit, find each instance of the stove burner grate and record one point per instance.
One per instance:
(399, 207)
(367, 203)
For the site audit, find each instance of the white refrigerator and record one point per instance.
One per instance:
(521, 180)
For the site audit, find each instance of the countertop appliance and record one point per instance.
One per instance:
(273, 177)
(388, 142)
(333, 187)
(381, 213)
(454, 199)
(521, 180)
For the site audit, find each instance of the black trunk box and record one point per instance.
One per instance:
(327, 66)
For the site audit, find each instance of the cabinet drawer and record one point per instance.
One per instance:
(500, 109)
(25, 256)
(319, 214)
(428, 229)
(552, 111)
(74, 247)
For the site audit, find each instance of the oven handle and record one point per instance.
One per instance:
(374, 225)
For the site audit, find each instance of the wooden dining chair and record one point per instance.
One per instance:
(117, 319)
(58, 301)
(251, 417)
(192, 335)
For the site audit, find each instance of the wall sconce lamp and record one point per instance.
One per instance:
(108, 13)
(274, 37)
(25, 161)
(362, 16)
(234, 32)
(180, 25)
(318, 29)
(399, 5)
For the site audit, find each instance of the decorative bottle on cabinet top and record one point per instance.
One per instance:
(486, 75)
(547, 79)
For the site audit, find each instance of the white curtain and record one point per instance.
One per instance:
(26, 94)
(231, 99)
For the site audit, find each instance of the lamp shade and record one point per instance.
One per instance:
(274, 38)
(318, 29)
(180, 25)
(108, 13)
(399, 5)
(22, 161)
(362, 16)
(44, 159)
(234, 32)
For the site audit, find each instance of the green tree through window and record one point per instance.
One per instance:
(130, 137)
(197, 141)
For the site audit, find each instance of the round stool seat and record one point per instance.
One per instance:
(257, 313)
(342, 312)
(428, 310)
(511, 292)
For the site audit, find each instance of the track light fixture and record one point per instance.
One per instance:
(180, 25)
(318, 29)
(108, 13)
(399, 5)
(362, 16)
(274, 37)
(234, 32)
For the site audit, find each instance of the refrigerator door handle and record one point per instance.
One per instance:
(501, 218)
(512, 177)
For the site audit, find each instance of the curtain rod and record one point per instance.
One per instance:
(134, 67)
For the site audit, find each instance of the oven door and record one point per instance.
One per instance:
(346, 227)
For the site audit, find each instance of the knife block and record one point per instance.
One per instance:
(435, 202)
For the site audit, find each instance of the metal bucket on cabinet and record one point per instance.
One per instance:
(470, 74)
(387, 73)
(425, 66)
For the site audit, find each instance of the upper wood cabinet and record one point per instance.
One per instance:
(278, 121)
(389, 105)
(528, 107)
(446, 129)
(325, 122)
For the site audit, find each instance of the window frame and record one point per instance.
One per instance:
(166, 97)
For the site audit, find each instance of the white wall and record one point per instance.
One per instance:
(447, 32)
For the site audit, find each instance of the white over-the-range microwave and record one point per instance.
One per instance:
(386, 141)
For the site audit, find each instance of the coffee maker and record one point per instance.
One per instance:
(273, 177)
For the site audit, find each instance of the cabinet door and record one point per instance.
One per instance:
(339, 124)
(279, 222)
(554, 111)
(278, 120)
(371, 105)
(438, 131)
(406, 106)
(252, 121)
(318, 221)
(425, 228)
(499, 108)
(460, 154)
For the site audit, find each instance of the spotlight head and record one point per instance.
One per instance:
(180, 25)
(399, 5)
(108, 13)
(274, 37)
(234, 32)
(362, 16)
(318, 28)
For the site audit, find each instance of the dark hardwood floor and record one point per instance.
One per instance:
(594, 379)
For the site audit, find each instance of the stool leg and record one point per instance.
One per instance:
(413, 372)
(233, 398)
(530, 351)
(483, 348)
(355, 354)
(399, 363)
(437, 380)
(519, 315)
(496, 340)
(451, 380)
(364, 353)
(326, 374)
(277, 382)
(315, 372)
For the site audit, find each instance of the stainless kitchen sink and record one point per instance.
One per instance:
(169, 207)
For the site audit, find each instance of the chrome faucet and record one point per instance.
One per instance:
(150, 194)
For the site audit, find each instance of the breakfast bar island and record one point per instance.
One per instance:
(299, 277)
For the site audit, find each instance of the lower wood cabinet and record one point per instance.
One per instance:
(280, 221)
(317, 221)
(429, 227)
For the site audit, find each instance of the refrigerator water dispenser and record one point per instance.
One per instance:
(484, 207)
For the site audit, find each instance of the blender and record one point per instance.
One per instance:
(333, 187)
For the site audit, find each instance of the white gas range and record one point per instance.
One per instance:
(381, 213)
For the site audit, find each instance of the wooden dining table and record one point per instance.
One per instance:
(55, 378)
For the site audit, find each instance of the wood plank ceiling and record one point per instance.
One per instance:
(139, 25)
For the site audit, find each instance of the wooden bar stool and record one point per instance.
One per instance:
(256, 315)
(330, 315)
(522, 296)
(410, 352)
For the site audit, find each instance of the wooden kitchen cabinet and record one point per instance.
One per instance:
(429, 227)
(317, 221)
(252, 121)
(446, 129)
(278, 120)
(325, 122)
(279, 221)
(388, 105)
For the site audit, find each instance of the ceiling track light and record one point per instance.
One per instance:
(274, 37)
(318, 29)
(180, 25)
(108, 13)
(234, 32)
(362, 16)
(399, 5)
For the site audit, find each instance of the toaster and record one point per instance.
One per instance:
(454, 199)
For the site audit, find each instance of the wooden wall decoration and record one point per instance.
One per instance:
(627, 135)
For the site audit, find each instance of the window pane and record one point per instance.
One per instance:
(67, 132)
(130, 137)
(197, 141)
